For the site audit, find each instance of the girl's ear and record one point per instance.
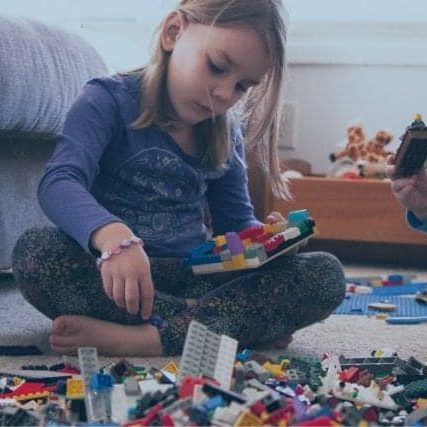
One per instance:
(173, 25)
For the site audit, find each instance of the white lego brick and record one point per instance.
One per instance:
(193, 350)
(152, 385)
(227, 416)
(291, 233)
(361, 395)
(209, 354)
(120, 403)
(88, 363)
(225, 361)
(253, 262)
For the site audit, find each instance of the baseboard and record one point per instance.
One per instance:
(397, 255)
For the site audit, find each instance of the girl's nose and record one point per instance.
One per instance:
(224, 93)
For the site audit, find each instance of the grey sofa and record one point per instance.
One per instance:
(42, 69)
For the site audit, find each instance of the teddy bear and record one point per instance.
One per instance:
(361, 158)
(355, 148)
(375, 151)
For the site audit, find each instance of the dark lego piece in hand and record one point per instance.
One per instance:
(412, 152)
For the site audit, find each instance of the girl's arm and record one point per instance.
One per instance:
(64, 194)
(64, 190)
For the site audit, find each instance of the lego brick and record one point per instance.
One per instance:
(358, 304)
(252, 247)
(412, 152)
(208, 354)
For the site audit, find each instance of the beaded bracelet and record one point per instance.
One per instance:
(157, 321)
(126, 243)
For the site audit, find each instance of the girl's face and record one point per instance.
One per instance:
(210, 68)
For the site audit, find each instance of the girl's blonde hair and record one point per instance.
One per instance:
(259, 110)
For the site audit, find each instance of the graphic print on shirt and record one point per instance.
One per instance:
(160, 195)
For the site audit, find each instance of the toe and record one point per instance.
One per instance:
(61, 325)
(63, 350)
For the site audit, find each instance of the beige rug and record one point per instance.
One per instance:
(352, 336)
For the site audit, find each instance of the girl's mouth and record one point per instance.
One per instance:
(205, 110)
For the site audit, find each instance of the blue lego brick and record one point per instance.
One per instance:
(358, 304)
(298, 216)
(203, 248)
(410, 288)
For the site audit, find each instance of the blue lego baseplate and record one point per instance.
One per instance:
(410, 288)
(358, 304)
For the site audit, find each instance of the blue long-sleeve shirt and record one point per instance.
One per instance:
(415, 223)
(103, 171)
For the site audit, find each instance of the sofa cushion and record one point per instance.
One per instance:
(42, 69)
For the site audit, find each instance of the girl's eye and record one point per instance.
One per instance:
(214, 68)
(241, 88)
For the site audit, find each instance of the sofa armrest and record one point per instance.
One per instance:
(42, 70)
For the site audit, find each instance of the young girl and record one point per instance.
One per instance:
(141, 157)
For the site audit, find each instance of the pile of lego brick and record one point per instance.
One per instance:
(218, 386)
(253, 246)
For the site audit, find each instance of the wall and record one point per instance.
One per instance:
(348, 60)
(352, 61)
(327, 97)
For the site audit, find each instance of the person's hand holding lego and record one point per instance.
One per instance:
(127, 276)
(410, 192)
(275, 217)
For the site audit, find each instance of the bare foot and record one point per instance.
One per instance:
(112, 339)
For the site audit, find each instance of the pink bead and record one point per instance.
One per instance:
(125, 243)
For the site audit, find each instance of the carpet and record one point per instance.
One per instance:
(348, 335)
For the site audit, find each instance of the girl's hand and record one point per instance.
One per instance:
(275, 217)
(410, 192)
(126, 276)
(127, 280)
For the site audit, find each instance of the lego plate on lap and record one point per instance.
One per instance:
(252, 247)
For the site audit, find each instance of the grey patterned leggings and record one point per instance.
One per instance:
(255, 307)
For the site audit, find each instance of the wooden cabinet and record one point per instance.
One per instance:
(363, 211)
(357, 220)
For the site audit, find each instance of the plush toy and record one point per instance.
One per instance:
(355, 147)
(375, 151)
(361, 157)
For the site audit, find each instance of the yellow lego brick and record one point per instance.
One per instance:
(248, 419)
(381, 316)
(75, 388)
(32, 396)
(376, 283)
(278, 227)
(17, 381)
(274, 368)
(284, 364)
(220, 241)
(421, 403)
(263, 416)
(228, 265)
(239, 261)
(268, 228)
(171, 367)
(247, 242)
